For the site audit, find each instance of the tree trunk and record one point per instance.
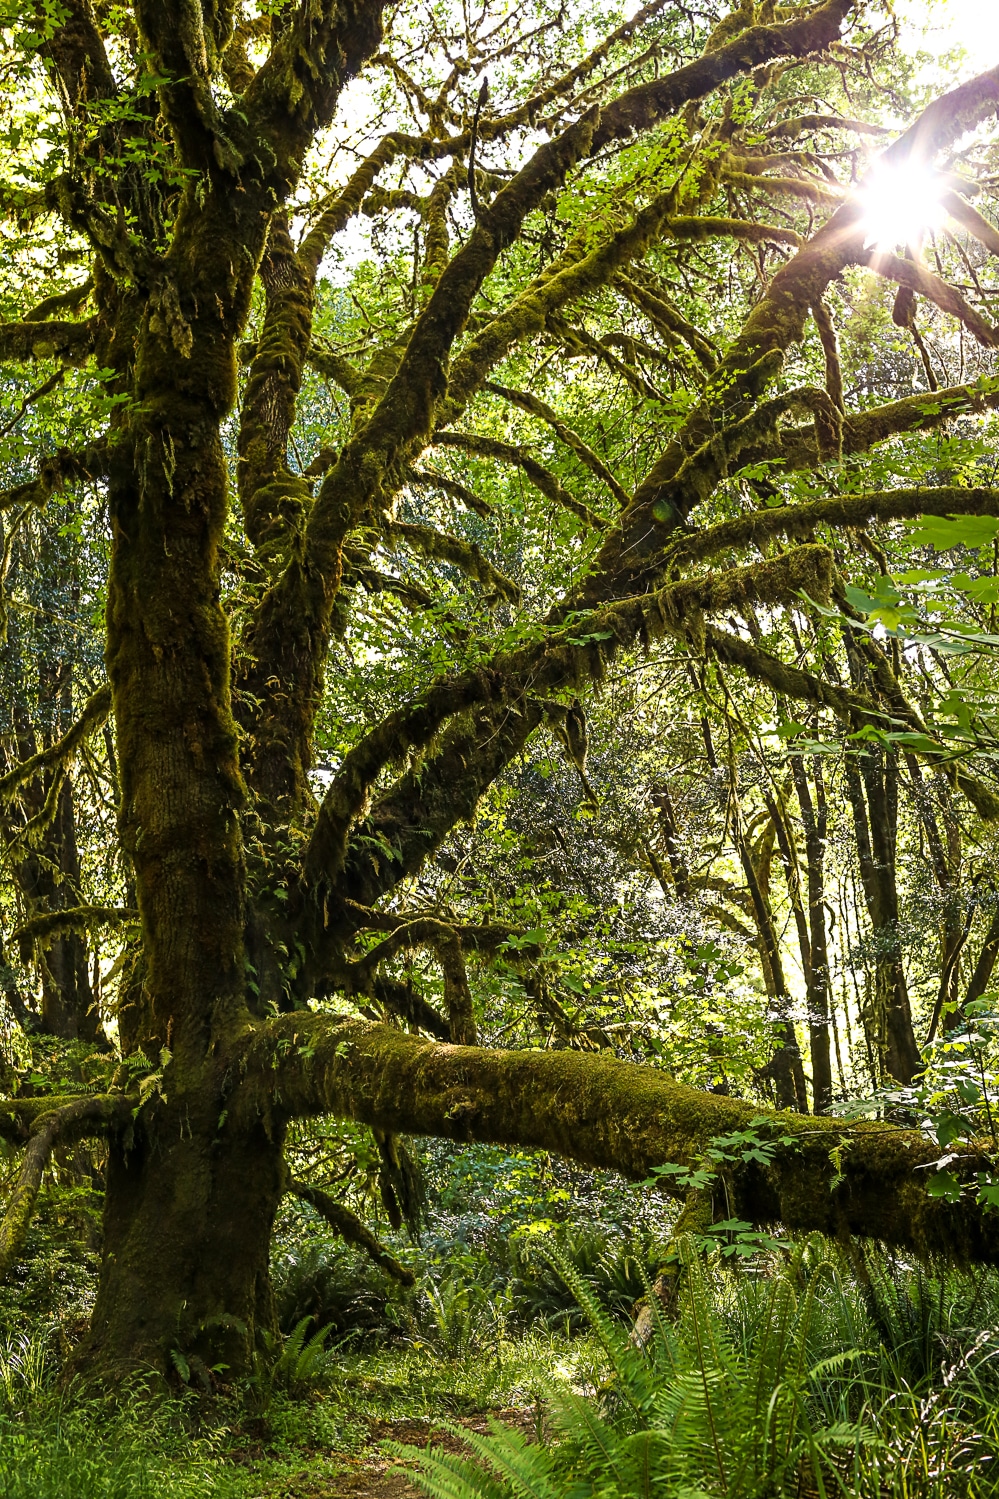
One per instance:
(890, 1026)
(189, 1212)
(814, 816)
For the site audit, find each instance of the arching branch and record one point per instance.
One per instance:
(572, 440)
(542, 478)
(347, 1224)
(58, 1123)
(94, 714)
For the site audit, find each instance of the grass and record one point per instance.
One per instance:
(59, 1444)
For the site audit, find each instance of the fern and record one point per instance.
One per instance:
(508, 1468)
(294, 1364)
(704, 1411)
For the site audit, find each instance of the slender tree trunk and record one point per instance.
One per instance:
(785, 1065)
(892, 1037)
(814, 815)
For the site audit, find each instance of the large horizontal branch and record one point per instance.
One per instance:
(863, 430)
(46, 928)
(835, 1178)
(68, 341)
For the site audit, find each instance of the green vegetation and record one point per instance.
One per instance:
(499, 750)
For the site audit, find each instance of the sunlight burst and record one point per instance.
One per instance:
(900, 204)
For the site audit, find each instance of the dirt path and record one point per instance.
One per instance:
(373, 1475)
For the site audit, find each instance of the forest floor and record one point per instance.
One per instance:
(372, 1474)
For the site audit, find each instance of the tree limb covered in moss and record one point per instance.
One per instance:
(667, 319)
(55, 473)
(95, 713)
(561, 659)
(443, 940)
(864, 430)
(405, 414)
(52, 924)
(453, 488)
(867, 1180)
(58, 1124)
(918, 278)
(71, 342)
(841, 511)
(430, 542)
(528, 402)
(347, 1224)
(542, 478)
(757, 355)
(850, 707)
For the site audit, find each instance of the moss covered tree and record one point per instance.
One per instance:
(182, 239)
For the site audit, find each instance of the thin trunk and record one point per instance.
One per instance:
(815, 818)
(784, 1067)
(872, 790)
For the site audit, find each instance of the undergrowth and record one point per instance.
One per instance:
(801, 1375)
(764, 1386)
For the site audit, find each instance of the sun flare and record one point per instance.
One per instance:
(900, 204)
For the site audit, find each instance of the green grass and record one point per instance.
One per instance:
(62, 1444)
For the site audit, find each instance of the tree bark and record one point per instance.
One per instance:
(189, 1211)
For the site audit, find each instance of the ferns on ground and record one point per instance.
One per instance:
(746, 1396)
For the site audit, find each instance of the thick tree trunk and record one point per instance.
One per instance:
(189, 1211)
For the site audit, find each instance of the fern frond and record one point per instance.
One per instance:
(527, 1468)
(633, 1383)
(442, 1475)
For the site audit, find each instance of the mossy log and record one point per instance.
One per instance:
(867, 1180)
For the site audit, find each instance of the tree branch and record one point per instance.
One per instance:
(347, 1224)
(70, 1121)
(610, 1114)
(94, 714)
(542, 478)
